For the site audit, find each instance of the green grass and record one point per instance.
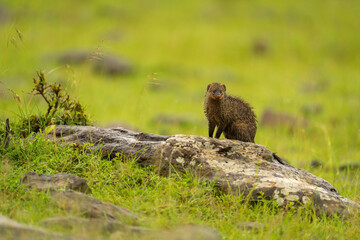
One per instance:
(312, 60)
(160, 202)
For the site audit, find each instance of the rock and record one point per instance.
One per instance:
(260, 47)
(12, 230)
(4, 13)
(84, 225)
(235, 166)
(112, 65)
(102, 63)
(250, 226)
(122, 125)
(62, 181)
(190, 232)
(117, 139)
(271, 118)
(91, 207)
(351, 166)
(74, 57)
(316, 163)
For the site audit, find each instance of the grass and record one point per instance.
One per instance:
(312, 60)
(161, 202)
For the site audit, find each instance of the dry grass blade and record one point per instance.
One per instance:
(7, 134)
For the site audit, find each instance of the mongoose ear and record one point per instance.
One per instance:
(224, 87)
(208, 86)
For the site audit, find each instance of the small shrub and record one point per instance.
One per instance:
(61, 108)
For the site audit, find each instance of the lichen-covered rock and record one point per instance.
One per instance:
(235, 166)
(252, 170)
(61, 181)
(91, 207)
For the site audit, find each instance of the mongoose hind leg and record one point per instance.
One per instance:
(239, 131)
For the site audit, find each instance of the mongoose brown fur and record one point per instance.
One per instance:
(231, 115)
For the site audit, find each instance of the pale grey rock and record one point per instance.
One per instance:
(235, 166)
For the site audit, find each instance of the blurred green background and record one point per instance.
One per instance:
(299, 61)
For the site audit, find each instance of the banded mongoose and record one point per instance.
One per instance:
(231, 115)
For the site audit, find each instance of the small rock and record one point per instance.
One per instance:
(271, 118)
(98, 226)
(260, 47)
(74, 57)
(350, 166)
(112, 65)
(62, 181)
(250, 226)
(92, 207)
(190, 232)
(102, 63)
(12, 230)
(315, 163)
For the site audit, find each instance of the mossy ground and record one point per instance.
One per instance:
(312, 59)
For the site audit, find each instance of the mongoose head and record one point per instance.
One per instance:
(216, 91)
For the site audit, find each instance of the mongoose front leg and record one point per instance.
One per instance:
(219, 131)
(211, 129)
